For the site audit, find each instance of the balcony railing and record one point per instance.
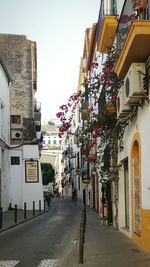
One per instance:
(37, 106)
(105, 11)
(68, 168)
(128, 15)
(102, 101)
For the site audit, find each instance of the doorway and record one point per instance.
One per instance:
(126, 192)
(136, 189)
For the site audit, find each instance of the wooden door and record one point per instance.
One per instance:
(136, 196)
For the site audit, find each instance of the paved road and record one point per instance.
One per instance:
(43, 241)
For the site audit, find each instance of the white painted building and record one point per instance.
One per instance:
(51, 139)
(25, 175)
(20, 120)
(4, 137)
(58, 172)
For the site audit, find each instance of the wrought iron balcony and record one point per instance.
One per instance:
(102, 101)
(132, 35)
(37, 106)
(37, 114)
(128, 15)
(106, 26)
(68, 168)
(67, 153)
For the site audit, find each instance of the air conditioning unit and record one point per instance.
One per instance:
(122, 108)
(16, 134)
(133, 83)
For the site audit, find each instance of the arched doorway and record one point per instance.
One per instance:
(136, 188)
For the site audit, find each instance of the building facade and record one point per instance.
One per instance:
(113, 129)
(4, 136)
(19, 55)
(51, 139)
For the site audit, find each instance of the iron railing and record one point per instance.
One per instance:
(128, 15)
(102, 101)
(105, 11)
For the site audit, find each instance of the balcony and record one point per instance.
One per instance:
(68, 168)
(37, 115)
(133, 37)
(68, 153)
(106, 28)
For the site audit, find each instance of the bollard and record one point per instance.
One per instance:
(81, 243)
(82, 235)
(84, 197)
(25, 210)
(33, 208)
(1, 218)
(44, 204)
(84, 214)
(83, 224)
(15, 214)
(39, 206)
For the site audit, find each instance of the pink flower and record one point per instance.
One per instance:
(64, 107)
(114, 97)
(59, 114)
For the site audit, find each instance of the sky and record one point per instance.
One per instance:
(58, 27)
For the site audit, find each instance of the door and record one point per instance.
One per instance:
(126, 193)
(136, 191)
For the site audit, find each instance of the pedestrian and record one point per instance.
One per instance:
(48, 199)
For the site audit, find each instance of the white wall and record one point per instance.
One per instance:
(140, 125)
(58, 171)
(16, 180)
(4, 136)
(32, 191)
(51, 138)
(21, 191)
(119, 6)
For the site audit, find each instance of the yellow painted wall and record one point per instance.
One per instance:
(144, 240)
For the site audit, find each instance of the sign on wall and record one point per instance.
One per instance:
(31, 171)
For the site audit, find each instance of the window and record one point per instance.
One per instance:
(15, 161)
(54, 142)
(15, 119)
(49, 142)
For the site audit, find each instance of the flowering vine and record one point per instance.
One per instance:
(106, 79)
(63, 115)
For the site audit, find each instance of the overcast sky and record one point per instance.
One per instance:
(58, 27)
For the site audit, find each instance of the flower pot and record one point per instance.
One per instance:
(92, 157)
(85, 114)
(110, 108)
(139, 4)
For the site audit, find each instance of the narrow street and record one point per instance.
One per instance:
(42, 241)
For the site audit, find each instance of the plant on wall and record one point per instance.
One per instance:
(106, 121)
(64, 116)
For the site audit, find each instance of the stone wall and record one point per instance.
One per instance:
(16, 52)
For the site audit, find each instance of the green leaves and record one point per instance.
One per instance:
(47, 173)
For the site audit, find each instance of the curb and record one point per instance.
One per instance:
(22, 222)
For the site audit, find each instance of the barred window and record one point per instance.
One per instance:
(15, 161)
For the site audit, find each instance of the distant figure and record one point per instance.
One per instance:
(48, 199)
(74, 195)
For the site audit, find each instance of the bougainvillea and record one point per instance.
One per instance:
(106, 79)
(63, 115)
